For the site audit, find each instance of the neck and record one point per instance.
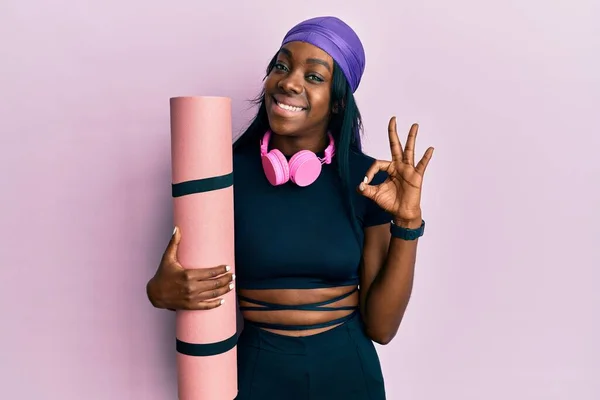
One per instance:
(290, 145)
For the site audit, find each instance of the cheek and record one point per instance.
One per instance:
(270, 81)
(321, 106)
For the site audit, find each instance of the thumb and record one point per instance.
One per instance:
(171, 252)
(368, 191)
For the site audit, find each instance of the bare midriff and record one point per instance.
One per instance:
(299, 317)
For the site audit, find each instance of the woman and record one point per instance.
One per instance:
(325, 247)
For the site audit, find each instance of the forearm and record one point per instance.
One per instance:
(389, 294)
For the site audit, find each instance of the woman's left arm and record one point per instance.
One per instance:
(388, 263)
(387, 276)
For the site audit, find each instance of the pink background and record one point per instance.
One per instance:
(506, 302)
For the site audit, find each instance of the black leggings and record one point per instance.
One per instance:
(339, 364)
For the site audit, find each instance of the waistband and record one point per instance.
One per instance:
(320, 306)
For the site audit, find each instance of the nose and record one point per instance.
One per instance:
(292, 83)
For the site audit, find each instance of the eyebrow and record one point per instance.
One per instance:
(288, 53)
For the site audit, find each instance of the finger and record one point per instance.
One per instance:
(207, 291)
(378, 165)
(212, 294)
(211, 284)
(206, 305)
(369, 191)
(365, 188)
(422, 165)
(170, 254)
(395, 146)
(203, 274)
(409, 151)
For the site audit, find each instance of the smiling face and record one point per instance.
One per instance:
(298, 91)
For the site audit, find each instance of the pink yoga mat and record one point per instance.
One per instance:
(202, 168)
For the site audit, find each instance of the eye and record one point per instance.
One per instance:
(279, 66)
(315, 78)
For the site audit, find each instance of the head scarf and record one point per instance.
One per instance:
(337, 39)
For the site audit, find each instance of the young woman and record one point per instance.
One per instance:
(325, 236)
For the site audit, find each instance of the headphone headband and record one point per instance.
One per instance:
(328, 153)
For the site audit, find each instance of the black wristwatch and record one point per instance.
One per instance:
(405, 233)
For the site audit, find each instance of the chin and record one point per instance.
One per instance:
(284, 128)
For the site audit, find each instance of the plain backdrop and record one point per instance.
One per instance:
(505, 303)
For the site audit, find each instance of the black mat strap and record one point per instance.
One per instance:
(208, 349)
(202, 185)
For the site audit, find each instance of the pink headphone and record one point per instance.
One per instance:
(303, 168)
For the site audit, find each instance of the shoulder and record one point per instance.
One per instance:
(244, 155)
(247, 168)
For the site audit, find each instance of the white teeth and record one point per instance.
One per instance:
(289, 108)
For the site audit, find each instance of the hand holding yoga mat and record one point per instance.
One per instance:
(202, 177)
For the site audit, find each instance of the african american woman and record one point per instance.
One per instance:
(325, 235)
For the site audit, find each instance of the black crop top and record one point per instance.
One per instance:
(290, 237)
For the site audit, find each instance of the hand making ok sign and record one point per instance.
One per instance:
(400, 193)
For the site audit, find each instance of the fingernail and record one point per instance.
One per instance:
(227, 268)
(362, 187)
(233, 277)
(231, 286)
(174, 230)
(365, 179)
(222, 301)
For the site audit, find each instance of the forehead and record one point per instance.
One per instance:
(306, 53)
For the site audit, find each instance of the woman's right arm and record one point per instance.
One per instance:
(176, 288)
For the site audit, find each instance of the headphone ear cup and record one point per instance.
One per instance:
(276, 167)
(305, 168)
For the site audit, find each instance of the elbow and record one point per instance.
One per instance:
(380, 336)
(383, 339)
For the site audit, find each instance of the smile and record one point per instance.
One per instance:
(288, 107)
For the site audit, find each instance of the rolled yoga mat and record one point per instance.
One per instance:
(202, 190)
